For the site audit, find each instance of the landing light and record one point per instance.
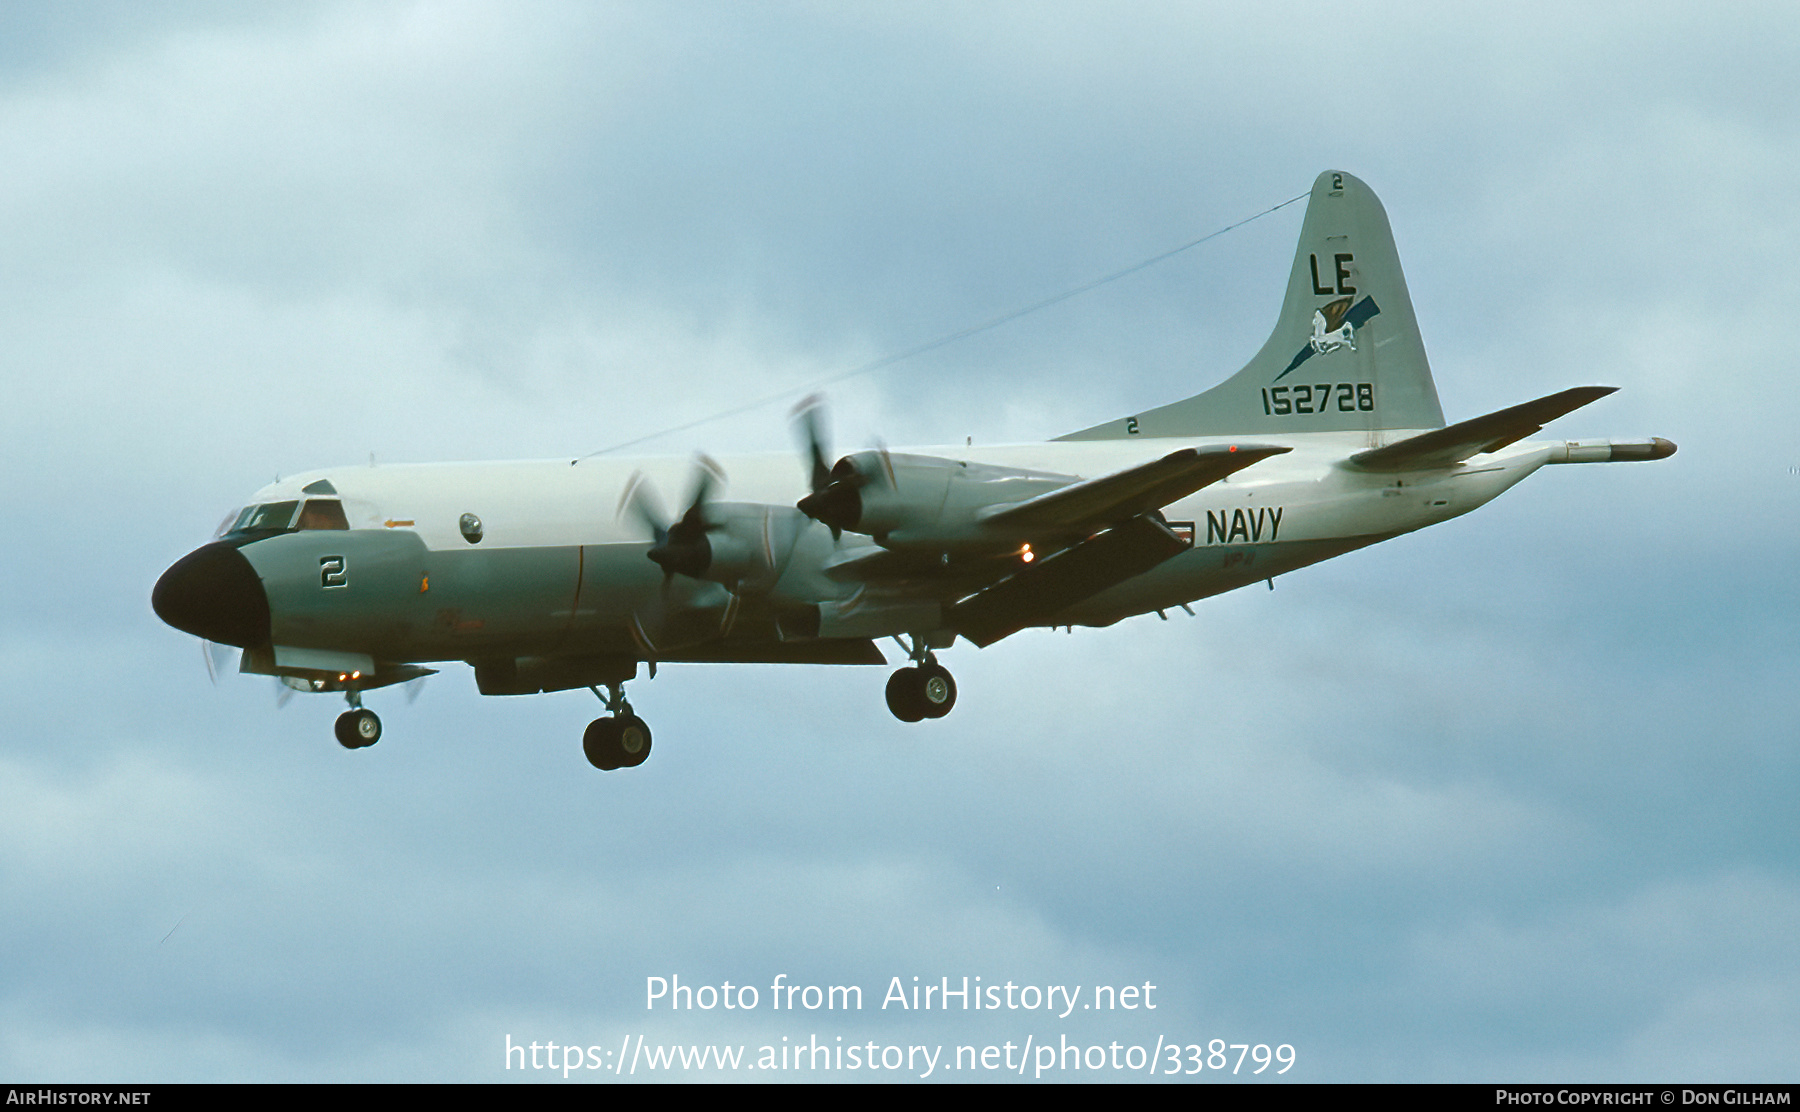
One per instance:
(1027, 555)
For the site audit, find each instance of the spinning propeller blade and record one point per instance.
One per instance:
(217, 656)
(809, 424)
(679, 547)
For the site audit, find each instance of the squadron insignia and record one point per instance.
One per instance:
(1334, 328)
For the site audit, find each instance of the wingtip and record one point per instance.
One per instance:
(1660, 448)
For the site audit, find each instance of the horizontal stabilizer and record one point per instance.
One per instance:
(1126, 494)
(1452, 444)
(1040, 591)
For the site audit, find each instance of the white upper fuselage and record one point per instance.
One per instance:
(525, 503)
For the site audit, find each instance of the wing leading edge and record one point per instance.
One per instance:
(1041, 590)
(1123, 495)
(1133, 541)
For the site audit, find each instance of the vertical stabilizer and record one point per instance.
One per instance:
(1346, 354)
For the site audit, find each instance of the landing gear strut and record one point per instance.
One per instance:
(621, 740)
(926, 690)
(357, 728)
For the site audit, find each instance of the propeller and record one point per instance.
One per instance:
(681, 547)
(217, 656)
(808, 418)
(836, 490)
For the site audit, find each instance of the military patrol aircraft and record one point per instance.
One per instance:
(560, 574)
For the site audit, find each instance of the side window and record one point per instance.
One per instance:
(323, 513)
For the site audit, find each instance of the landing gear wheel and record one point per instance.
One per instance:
(904, 697)
(937, 691)
(601, 744)
(622, 741)
(926, 691)
(634, 740)
(358, 729)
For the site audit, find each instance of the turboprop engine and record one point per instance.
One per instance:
(920, 502)
(739, 545)
(743, 546)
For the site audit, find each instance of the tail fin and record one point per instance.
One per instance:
(1346, 354)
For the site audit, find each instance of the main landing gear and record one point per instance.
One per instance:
(357, 728)
(925, 690)
(621, 740)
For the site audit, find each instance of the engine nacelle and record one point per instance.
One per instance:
(742, 545)
(920, 502)
(750, 542)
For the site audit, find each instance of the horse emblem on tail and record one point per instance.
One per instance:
(1330, 331)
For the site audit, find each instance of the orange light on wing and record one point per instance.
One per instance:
(1027, 555)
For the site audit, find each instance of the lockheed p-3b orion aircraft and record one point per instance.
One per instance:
(559, 574)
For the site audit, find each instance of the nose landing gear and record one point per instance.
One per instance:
(621, 740)
(357, 728)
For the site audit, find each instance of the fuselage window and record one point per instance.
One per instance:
(323, 513)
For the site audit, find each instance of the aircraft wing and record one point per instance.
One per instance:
(1110, 499)
(1037, 592)
(1093, 534)
(1455, 443)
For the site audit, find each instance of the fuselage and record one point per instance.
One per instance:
(466, 561)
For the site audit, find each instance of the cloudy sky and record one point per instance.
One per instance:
(1508, 799)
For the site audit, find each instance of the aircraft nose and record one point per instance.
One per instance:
(214, 593)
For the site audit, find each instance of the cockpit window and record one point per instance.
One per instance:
(272, 516)
(285, 517)
(323, 513)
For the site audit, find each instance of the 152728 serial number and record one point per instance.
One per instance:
(1350, 397)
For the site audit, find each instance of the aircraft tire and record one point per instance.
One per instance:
(633, 740)
(358, 729)
(601, 744)
(937, 690)
(905, 695)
